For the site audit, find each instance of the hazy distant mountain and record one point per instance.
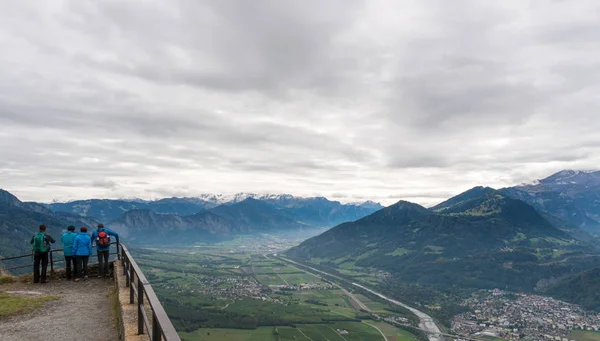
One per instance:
(570, 197)
(246, 217)
(320, 211)
(480, 238)
(255, 215)
(317, 212)
(108, 209)
(149, 226)
(20, 220)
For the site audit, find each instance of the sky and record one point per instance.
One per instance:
(348, 99)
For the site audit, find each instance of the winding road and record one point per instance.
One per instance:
(426, 322)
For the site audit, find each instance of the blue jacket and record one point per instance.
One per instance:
(82, 245)
(110, 233)
(67, 240)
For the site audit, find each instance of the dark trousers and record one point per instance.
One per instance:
(103, 263)
(81, 263)
(70, 270)
(40, 258)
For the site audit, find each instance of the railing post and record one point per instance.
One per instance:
(140, 307)
(126, 272)
(51, 264)
(155, 328)
(118, 253)
(131, 284)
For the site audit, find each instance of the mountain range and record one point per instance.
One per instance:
(317, 211)
(481, 238)
(540, 236)
(19, 220)
(570, 198)
(244, 217)
(208, 218)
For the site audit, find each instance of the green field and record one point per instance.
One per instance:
(580, 335)
(391, 332)
(354, 331)
(373, 305)
(220, 293)
(300, 278)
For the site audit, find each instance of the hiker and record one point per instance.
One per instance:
(82, 250)
(67, 240)
(41, 245)
(102, 239)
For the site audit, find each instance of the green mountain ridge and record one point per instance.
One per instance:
(582, 288)
(479, 239)
(20, 220)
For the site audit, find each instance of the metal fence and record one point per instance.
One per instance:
(161, 327)
(52, 260)
(140, 293)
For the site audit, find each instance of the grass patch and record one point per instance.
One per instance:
(14, 305)
(391, 332)
(398, 252)
(5, 279)
(217, 334)
(350, 331)
(519, 237)
(582, 335)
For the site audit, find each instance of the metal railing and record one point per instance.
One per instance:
(161, 327)
(51, 260)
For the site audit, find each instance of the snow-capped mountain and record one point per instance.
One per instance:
(573, 177)
(572, 196)
(317, 211)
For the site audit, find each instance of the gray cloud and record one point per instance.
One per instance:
(351, 99)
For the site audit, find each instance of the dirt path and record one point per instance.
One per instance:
(82, 312)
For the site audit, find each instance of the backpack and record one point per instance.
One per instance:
(39, 242)
(103, 239)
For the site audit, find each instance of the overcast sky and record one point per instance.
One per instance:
(353, 100)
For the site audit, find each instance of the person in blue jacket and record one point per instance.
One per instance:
(82, 250)
(67, 240)
(102, 239)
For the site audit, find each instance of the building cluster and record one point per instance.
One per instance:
(229, 287)
(516, 316)
(303, 286)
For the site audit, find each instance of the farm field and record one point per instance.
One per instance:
(353, 331)
(581, 335)
(226, 293)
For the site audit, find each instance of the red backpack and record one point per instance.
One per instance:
(103, 239)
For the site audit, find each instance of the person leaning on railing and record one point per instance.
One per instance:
(41, 245)
(102, 239)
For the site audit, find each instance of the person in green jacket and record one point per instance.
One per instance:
(67, 241)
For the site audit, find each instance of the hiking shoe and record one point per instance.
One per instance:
(107, 276)
(76, 279)
(99, 276)
(85, 278)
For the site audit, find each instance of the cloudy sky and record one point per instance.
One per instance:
(349, 99)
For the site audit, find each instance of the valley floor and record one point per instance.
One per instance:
(208, 291)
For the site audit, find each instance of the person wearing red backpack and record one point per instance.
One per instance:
(101, 238)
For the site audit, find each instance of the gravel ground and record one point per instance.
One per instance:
(83, 312)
